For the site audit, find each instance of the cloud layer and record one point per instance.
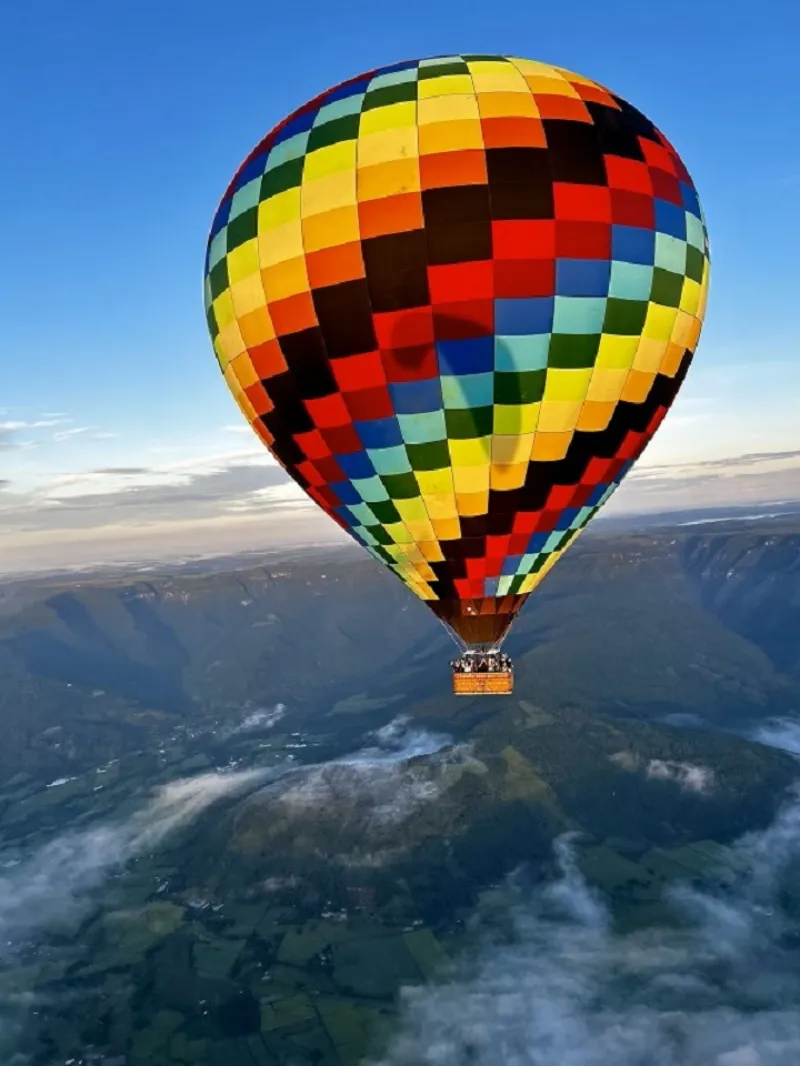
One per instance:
(560, 988)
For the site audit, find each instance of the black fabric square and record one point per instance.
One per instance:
(615, 134)
(344, 313)
(575, 152)
(455, 206)
(308, 364)
(290, 415)
(397, 271)
(460, 243)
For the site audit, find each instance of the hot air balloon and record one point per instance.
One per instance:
(455, 298)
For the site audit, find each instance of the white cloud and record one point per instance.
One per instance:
(561, 988)
(74, 431)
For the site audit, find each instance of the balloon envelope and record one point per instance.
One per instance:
(455, 298)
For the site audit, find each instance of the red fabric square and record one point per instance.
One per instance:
(585, 203)
(325, 497)
(547, 521)
(494, 567)
(312, 445)
(656, 155)
(596, 472)
(462, 585)
(525, 523)
(402, 329)
(583, 240)
(666, 186)
(497, 546)
(518, 543)
(464, 321)
(309, 472)
(367, 404)
(524, 239)
(476, 568)
(330, 469)
(581, 495)
(524, 277)
(343, 440)
(460, 281)
(359, 371)
(328, 411)
(560, 496)
(417, 363)
(632, 209)
(628, 174)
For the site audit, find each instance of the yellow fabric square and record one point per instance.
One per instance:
(223, 310)
(595, 415)
(650, 354)
(430, 548)
(471, 478)
(607, 385)
(638, 386)
(233, 383)
(399, 534)
(672, 360)
(279, 209)
(512, 449)
(472, 503)
(578, 79)
(511, 82)
(244, 370)
(558, 416)
(246, 408)
(470, 452)
(682, 331)
(549, 447)
(508, 476)
(516, 418)
(421, 530)
(447, 528)
(425, 572)
(256, 325)
(411, 510)
(659, 322)
(425, 592)
(247, 295)
(331, 159)
(534, 66)
(505, 105)
(555, 86)
(278, 245)
(231, 341)
(447, 85)
(445, 109)
(616, 353)
(563, 384)
(435, 482)
(450, 136)
(388, 145)
(243, 261)
(690, 296)
(285, 280)
(441, 505)
(331, 228)
(390, 117)
(324, 194)
(388, 179)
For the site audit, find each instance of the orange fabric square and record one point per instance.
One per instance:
(513, 133)
(593, 94)
(312, 445)
(453, 168)
(267, 359)
(333, 265)
(562, 107)
(258, 397)
(293, 314)
(391, 214)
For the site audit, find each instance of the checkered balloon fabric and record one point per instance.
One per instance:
(455, 298)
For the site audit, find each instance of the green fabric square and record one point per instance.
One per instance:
(574, 351)
(246, 197)
(389, 94)
(445, 67)
(286, 176)
(433, 456)
(292, 148)
(397, 77)
(401, 486)
(218, 278)
(218, 248)
(695, 262)
(211, 318)
(625, 317)
(338, 129)
(666, 288)
(382, 537)
(385, 511)
(579, 314)
(467, 423)
(351, 105)
(243, 228)
(526, 387)
(362, 514)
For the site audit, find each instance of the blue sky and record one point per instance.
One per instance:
(121, 125)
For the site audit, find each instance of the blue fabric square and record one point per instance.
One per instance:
(630, 281)
(350, 105)
(490, 586)
(345, 515)
(582, 277)
(467, 390)
(356, 464)
(630, 244)
(510, 564)
(530, 315)
(596, 495)
(390, 460)
(221, 217)
(566, 517)
(293, 148)
(253, 169)
(416, 397)
(690, 201)
(352, 89)
(380, 433)
(424, 428)
(370, 489)
(299, 124)
(537, 542)
(670, 219)
(474, 356)
(346, 493)
(579, 314)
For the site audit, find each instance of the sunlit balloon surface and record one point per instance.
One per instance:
(455, 298)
